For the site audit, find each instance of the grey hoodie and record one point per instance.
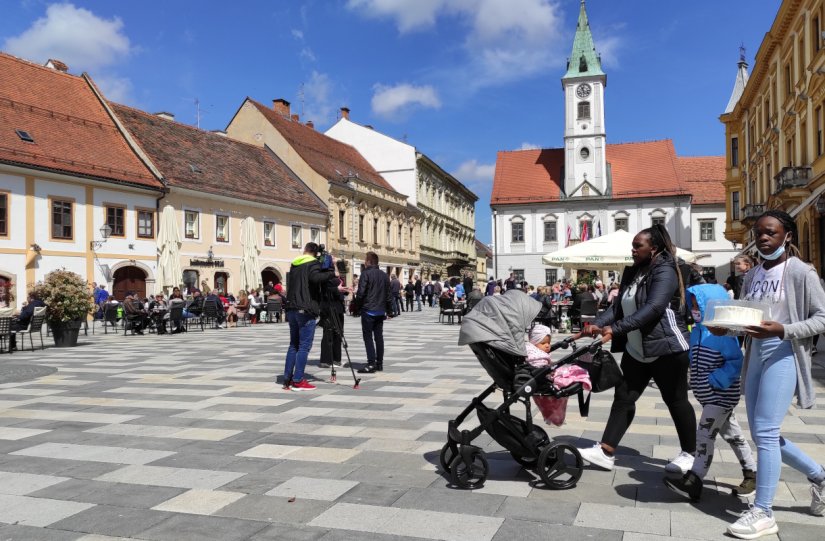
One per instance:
(806, 306)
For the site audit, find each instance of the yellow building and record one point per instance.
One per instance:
(214, 184)
(774, 130)
(365, 212)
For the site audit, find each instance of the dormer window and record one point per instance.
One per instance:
(582, 64)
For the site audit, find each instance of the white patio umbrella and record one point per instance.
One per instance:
(250, 275)
(169, 271)
(608, 252)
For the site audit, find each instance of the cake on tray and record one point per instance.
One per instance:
(736, 315)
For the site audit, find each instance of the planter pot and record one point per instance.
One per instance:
(65, 333)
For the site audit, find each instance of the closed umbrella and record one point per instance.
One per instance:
(608, 252)
(169, 271)
(250, 276)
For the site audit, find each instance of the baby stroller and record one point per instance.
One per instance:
(495, 332)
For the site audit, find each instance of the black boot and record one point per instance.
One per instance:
(748, 485)
(689, 486)
(369, 369)
(379, 367)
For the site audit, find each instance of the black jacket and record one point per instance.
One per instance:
(374, 291)
(418, 287)
(304, 284)
(27, 312)
(332, 300)
(658, 315)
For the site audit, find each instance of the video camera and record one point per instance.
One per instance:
(324, 258)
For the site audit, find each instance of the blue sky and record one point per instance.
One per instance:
(459, 79)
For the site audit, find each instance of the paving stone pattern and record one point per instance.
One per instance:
(191, 437)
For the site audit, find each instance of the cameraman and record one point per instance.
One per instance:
(375, 303)
(332, 320)
(305, 281)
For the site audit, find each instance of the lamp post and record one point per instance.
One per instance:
(352, 186)
(105, 232)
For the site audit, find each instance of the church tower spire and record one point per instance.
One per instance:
(584, 82)
(740, 81)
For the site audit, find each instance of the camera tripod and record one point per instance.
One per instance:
(336, 328)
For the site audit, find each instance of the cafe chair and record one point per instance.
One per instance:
(273, 310)
(109, 316)
(448, 310)
(5, 334)
(587, 313)
(35, 326)
(210, 315)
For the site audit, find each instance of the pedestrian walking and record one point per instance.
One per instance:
(375, 302)
(419, 291)
(395, 289)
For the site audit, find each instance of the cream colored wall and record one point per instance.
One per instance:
(231, 252)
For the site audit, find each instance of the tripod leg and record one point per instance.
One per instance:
(336, 328)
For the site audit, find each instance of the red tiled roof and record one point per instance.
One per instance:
(705, 178)
(71, 129)
(646, 169)
(330, 158)
(198, 160)
(481, 247)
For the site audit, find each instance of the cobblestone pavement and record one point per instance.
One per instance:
(190, 437)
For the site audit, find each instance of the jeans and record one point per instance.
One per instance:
(770, 384)
(670, 372)
(418, 301)
(372, 327)
(713, 421)
(301, 334)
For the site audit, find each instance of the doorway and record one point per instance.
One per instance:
(129, 279)
(269, 274)
(221, 280)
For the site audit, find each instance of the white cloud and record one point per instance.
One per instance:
(388, 101)
(297, 34)
(408, 16)
(609, 47)
(529, 146)
(74, 35)
(307, 54)
(115, 88)
(318, 106)
(473, 173)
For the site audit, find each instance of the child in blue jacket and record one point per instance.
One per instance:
(715, 364)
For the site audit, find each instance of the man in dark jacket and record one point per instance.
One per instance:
(305, 281)
(467, 283)
(332, 320)
(375, 302)
(419, 291)
(21, 322)
(395, 289)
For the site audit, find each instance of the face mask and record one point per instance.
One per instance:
(776, 253)
(697, 315)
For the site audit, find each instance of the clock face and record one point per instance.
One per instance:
(583, 90)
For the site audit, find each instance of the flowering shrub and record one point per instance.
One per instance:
(66, 295)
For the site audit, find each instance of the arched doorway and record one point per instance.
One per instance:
(129, 279)
(270, 274)
(221, 280)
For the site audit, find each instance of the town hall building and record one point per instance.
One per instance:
(546, 199)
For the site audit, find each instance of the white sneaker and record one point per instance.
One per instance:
(818, 499)
(681, 464)
(753, 524)
(596, 456)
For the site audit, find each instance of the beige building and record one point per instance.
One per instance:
(774, 130)
(484, 262)
(214, 184)
(365, 212)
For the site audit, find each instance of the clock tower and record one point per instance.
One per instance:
(585, 166)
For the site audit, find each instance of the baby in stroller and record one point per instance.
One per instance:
(553, 408)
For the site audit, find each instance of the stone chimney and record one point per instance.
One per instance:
(310, 124)
(166, 116)
(345, 112)
(295, 117)
(57, 65)
(281, 106)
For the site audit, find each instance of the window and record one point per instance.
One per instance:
(518, 275)
(4, 215)
(375, 230)
(620, 224)
(817, 34)
(707, 230)
(734, 152)
(62, 219)
(788, 82)
(145, 224)
(315, 235)
(735, 206)
(221, 228)
(389, 237)
(583, 110)
(24, 136)
(517, 232)
(584, 153)
(361, 228)
(585, 229)
(657, 220)
(269, 233)
(550, 276)
(342, 222)
(550, 231)
(412, 237)
(818, 117)
(296, 236)
(115, 217)
(191, 226)
(400, 235)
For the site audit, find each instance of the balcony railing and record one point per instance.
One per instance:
(792, 177)
(752, 212)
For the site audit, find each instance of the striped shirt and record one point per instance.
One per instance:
(703, 361)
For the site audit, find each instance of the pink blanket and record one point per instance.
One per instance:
(554, 410)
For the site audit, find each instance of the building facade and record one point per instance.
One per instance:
(365, 213)
(447, 206)
(66, 171)
(215, 183)
(773, 131)
(546, 199)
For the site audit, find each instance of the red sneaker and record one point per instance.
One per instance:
(303, 385)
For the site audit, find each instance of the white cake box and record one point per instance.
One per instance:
(735, 315)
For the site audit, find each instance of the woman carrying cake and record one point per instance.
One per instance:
(777, 365)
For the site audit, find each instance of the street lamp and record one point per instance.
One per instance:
(352, 186)
(105, 232)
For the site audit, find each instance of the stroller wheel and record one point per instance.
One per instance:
(560, 466)
(446, 456)
(469, 476)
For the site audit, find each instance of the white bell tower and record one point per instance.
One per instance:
(585, 165)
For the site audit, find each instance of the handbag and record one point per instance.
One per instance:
(605, 373)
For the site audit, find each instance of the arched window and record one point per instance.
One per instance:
(517, 229)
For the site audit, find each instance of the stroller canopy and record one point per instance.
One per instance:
(500, 321)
